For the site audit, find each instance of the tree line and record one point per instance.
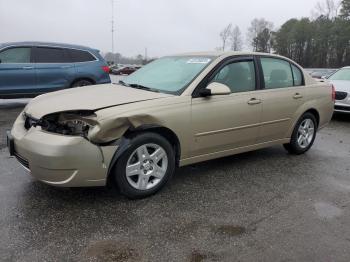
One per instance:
(322, 40)
(118, 58)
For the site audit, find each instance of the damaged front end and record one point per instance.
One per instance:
(71, 123)
(86, 124)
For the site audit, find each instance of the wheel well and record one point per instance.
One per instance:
(83, 78)
(315, 113)
(167, 133)
(163, 131)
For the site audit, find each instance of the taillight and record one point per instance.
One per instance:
(333, 93)
(105, 68)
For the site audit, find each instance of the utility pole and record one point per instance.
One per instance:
(113, 30)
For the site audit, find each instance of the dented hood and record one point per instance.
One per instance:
(88, 98)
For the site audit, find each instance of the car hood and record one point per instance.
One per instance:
(88, 98)
(341, 85)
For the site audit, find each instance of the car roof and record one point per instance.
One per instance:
(226, 53)
(38, 43)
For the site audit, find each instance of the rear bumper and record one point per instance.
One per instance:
(60, 160)
(104, 79)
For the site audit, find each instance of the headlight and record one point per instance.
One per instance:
(76, 123)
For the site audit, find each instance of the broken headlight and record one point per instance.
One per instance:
(74, 123)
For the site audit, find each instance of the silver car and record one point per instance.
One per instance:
(341, 82)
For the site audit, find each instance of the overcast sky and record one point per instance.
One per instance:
(163, 26)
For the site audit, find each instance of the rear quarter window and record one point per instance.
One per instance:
(78, 56)
(297, 75)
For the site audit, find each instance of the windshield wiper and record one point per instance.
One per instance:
(122, 83)
(138, 86)
(143, 87)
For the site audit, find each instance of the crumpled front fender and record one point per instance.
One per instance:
(113, 129)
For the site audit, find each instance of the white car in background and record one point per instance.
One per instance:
(341, 83)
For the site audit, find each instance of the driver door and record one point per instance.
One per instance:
(225, 122)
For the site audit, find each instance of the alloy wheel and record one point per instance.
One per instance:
(306, 133)
(146, 166)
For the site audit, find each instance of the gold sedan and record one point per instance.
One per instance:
(176, 111)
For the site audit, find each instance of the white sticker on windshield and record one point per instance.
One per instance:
(198, 61)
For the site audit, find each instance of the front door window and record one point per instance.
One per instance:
(238, 76)
(18, 55)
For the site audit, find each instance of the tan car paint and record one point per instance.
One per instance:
(207, 128)
(283, 107)
(173, 113)
(87, 98)
(62, 160)
(224, 122)
(278, 109)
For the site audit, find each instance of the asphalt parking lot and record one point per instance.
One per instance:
(259, 206)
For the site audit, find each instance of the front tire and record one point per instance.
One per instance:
(303, 135)
(145, 167)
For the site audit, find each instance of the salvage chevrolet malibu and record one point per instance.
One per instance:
(176, 111)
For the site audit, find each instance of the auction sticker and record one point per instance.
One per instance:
(199, 60)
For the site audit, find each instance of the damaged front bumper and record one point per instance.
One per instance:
(60, 160)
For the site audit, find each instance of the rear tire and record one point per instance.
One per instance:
(303, 135)
(145, 167)
(83, 82)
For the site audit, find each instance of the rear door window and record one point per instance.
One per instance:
(50, 55)
(15, 55)
(78, 56)
(277, 73)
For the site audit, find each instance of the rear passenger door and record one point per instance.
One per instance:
(54, 70)
(282, 95)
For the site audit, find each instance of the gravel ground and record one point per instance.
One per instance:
(259, 206)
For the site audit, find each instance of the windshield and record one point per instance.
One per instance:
(169, 74)
(342, 74)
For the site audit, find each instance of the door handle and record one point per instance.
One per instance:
(254, 101)
(27, 67)
(297, 96)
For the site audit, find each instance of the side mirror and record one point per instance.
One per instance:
(215, 89)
